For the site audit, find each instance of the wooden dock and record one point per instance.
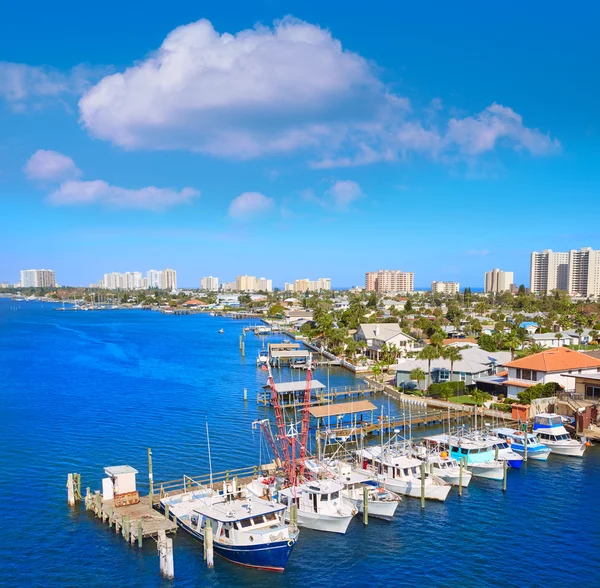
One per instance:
(327, 396)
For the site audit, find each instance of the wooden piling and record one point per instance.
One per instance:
(525, 440)
(208, 539)
(150, 480)
(422, 485)
(505, 468)
(460, 476)
(365, 505)
(140, 533)
(245, 393)
(167, 511)
(165, 553)
(70, 490)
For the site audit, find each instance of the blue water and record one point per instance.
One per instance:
(84, 390)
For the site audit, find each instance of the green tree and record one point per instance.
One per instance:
(513, 343)
(276, 310)
(452, 354)
(418, 375)
(429, 353)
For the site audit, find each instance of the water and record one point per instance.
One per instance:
(83, 390)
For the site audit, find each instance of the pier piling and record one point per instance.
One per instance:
(245, 393)
(165, 553)
(150, 480)
(208, 539)
(365, 505)
(505, 468)
(140, 533)
(70, 490)
(460, 476)
(423, 473)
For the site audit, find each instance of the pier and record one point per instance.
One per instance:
(293, 392)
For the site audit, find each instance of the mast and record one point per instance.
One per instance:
(305, 416)
(281, 433)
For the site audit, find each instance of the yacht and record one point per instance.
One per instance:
(505, 451)
(247, 530)
(401, 473)
(321, 506)
(552, 433)
(535, 449)
(263, 357)
(444, 466)
(382, 502)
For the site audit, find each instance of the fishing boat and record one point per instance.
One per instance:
(535, 449)
(247, 530)
(552, 433)
(400, 473)
(381, 502)
(502, 450)
(444, 466)
(320, 504)
(263, 358)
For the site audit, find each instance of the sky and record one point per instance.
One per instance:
(297, 139)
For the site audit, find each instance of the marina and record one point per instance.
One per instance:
(179, 445)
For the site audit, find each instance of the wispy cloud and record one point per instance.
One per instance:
(250, 204)
(344, 193)
(50, 166)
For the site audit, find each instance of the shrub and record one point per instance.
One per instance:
(446, 389)
(502, 407)
(539, 391)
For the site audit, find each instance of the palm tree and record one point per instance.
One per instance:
(452, 354)
(419, 375)
(429, 353)
(558, 337)
(593, 335)
(579, 332)
(513, 342)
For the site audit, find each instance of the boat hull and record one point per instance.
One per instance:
(272, 556)
(454, 479)
(413, 489)
(488, 473)
(379, 509)
(571, 449)
(322, 522)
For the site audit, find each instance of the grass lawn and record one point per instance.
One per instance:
(463, 400)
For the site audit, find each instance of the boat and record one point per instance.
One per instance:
(381, 501)
(400, 473)
(221, 331)
(247, 530)
(479, 455)
(263, 357)
(444, 466)
(321, 505)
(502, 450)
(535, 449)
(552, 433)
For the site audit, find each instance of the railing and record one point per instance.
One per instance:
(189, 483)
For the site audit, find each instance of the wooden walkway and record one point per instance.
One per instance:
(325, 397)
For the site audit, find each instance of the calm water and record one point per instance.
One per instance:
(80, 391)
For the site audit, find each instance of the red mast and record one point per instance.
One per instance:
(284, 441)
(305, 417)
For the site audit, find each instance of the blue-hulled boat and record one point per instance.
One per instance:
(535, 449)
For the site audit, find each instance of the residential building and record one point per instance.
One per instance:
(247, 283)
(265, 285)
(475, 363)
(378, 334)
(584, 272)
(154, 279)
(35, 278)
(554, 365)
(384, 281)
(449, 288)
(169, 280)
(306, 285)
(549, 271)
(498, 281)
(209, 283)
(229, 286)
(287, 287)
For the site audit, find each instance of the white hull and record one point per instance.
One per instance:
(379, 509)
(412, 488)
(570, 449)
(538, 455)
(481, 470)
(322, 522)
(454, 479)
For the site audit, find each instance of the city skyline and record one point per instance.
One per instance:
(394, 130)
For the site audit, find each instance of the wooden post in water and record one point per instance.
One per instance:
(365, 505)
(241, 342)
(505, 468)
(496, 453)
(243, 349)
(70, 490)
(208, 539)
(525, 443)
(140, 533)
(245, 393)
(77, 482)
(422, 485)
(165, 554)
(150, 480)
(460, 476)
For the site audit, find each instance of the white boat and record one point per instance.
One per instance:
(381, 502)
(444, 466)
(263, 357)
(400, 473)
(535, 449)
(320, 503)
(247, 530)
(549, 427)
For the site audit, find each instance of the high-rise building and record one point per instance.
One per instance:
(390, 281)
(209, 283)
(169, 279)
(287, 287)
(306, 285)
(154, 279)
(265, 285)
(247, 283)
(38, 278)
(498, 281)
(584, 272)
(449, 288)
(549, 271)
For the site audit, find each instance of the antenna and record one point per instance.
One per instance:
(209, 457)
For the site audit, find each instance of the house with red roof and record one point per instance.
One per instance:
(553, 365)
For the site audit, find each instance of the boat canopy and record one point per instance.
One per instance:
(342, 408)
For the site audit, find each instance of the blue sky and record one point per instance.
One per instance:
(297, 139)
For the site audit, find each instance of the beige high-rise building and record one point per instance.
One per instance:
(449, 288)
(498, 281)
(549, 271)
(38, 278)
(584, 272)
(247, 283)
(169, 279)
(390, 281)
(209, 283)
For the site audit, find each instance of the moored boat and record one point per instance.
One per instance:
(552, 433)
(535, 449)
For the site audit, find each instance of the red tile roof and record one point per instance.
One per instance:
(559, 359)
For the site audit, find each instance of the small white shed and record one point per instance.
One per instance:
(121, 480)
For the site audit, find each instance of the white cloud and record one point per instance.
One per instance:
(261, 90)
(249, 204)
(344, 192)
(50, 166)
(76, 192)
(25, 86)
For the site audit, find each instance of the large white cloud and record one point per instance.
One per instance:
(76, 192)
(261, 90)
(50, 166)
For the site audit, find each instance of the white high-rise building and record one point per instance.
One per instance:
(449, 288)
(498, 281)
(549, 271)
(169, 280)
(209, 283)
(154, 278)
(38, 278)
(390, 281)
(306, 285)
(265, 285)
(584, 272)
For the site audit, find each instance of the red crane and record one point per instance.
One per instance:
(305, 416)
(284, 441)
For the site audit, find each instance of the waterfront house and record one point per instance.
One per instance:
(555, 339)
(377, 335)
(475, 363)
(552, 365)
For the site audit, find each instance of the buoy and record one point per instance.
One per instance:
(444, 454)
(588, 444)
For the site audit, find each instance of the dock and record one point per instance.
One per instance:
(293, 393)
